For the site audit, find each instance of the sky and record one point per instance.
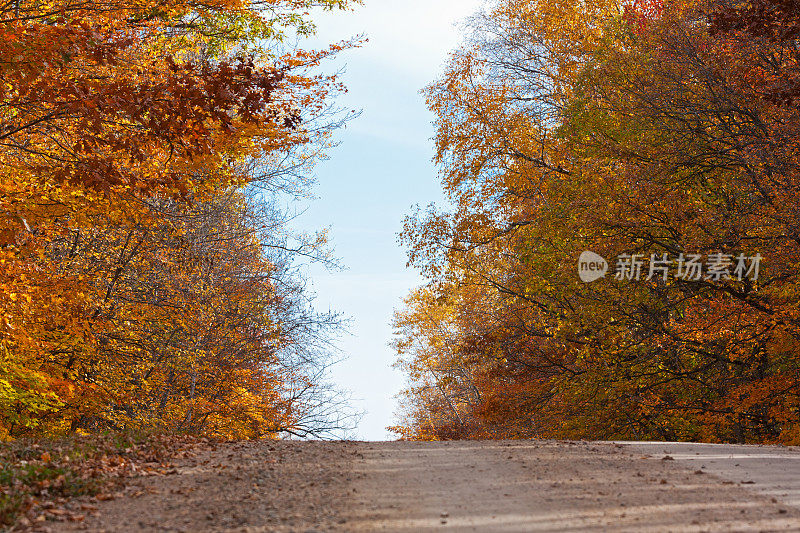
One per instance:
(370, 182)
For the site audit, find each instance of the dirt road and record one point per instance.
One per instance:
(464, 486)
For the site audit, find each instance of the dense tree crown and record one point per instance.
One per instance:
(146, 266)
(622, 128)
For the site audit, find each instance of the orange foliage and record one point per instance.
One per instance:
(137, 283)
(564, 128)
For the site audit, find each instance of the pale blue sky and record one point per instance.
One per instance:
(382, 167)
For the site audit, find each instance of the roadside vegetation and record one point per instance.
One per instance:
(660, 136)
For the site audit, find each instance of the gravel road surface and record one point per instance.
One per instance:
(499, 486)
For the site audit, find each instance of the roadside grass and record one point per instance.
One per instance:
(40, 479)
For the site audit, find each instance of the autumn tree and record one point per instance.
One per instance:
(621, 128)
(144, 278)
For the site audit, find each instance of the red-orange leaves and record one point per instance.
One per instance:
(136, 285)
(564, 133)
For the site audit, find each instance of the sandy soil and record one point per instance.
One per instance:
(462, 486)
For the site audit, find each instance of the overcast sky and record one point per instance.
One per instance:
(381, 169)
